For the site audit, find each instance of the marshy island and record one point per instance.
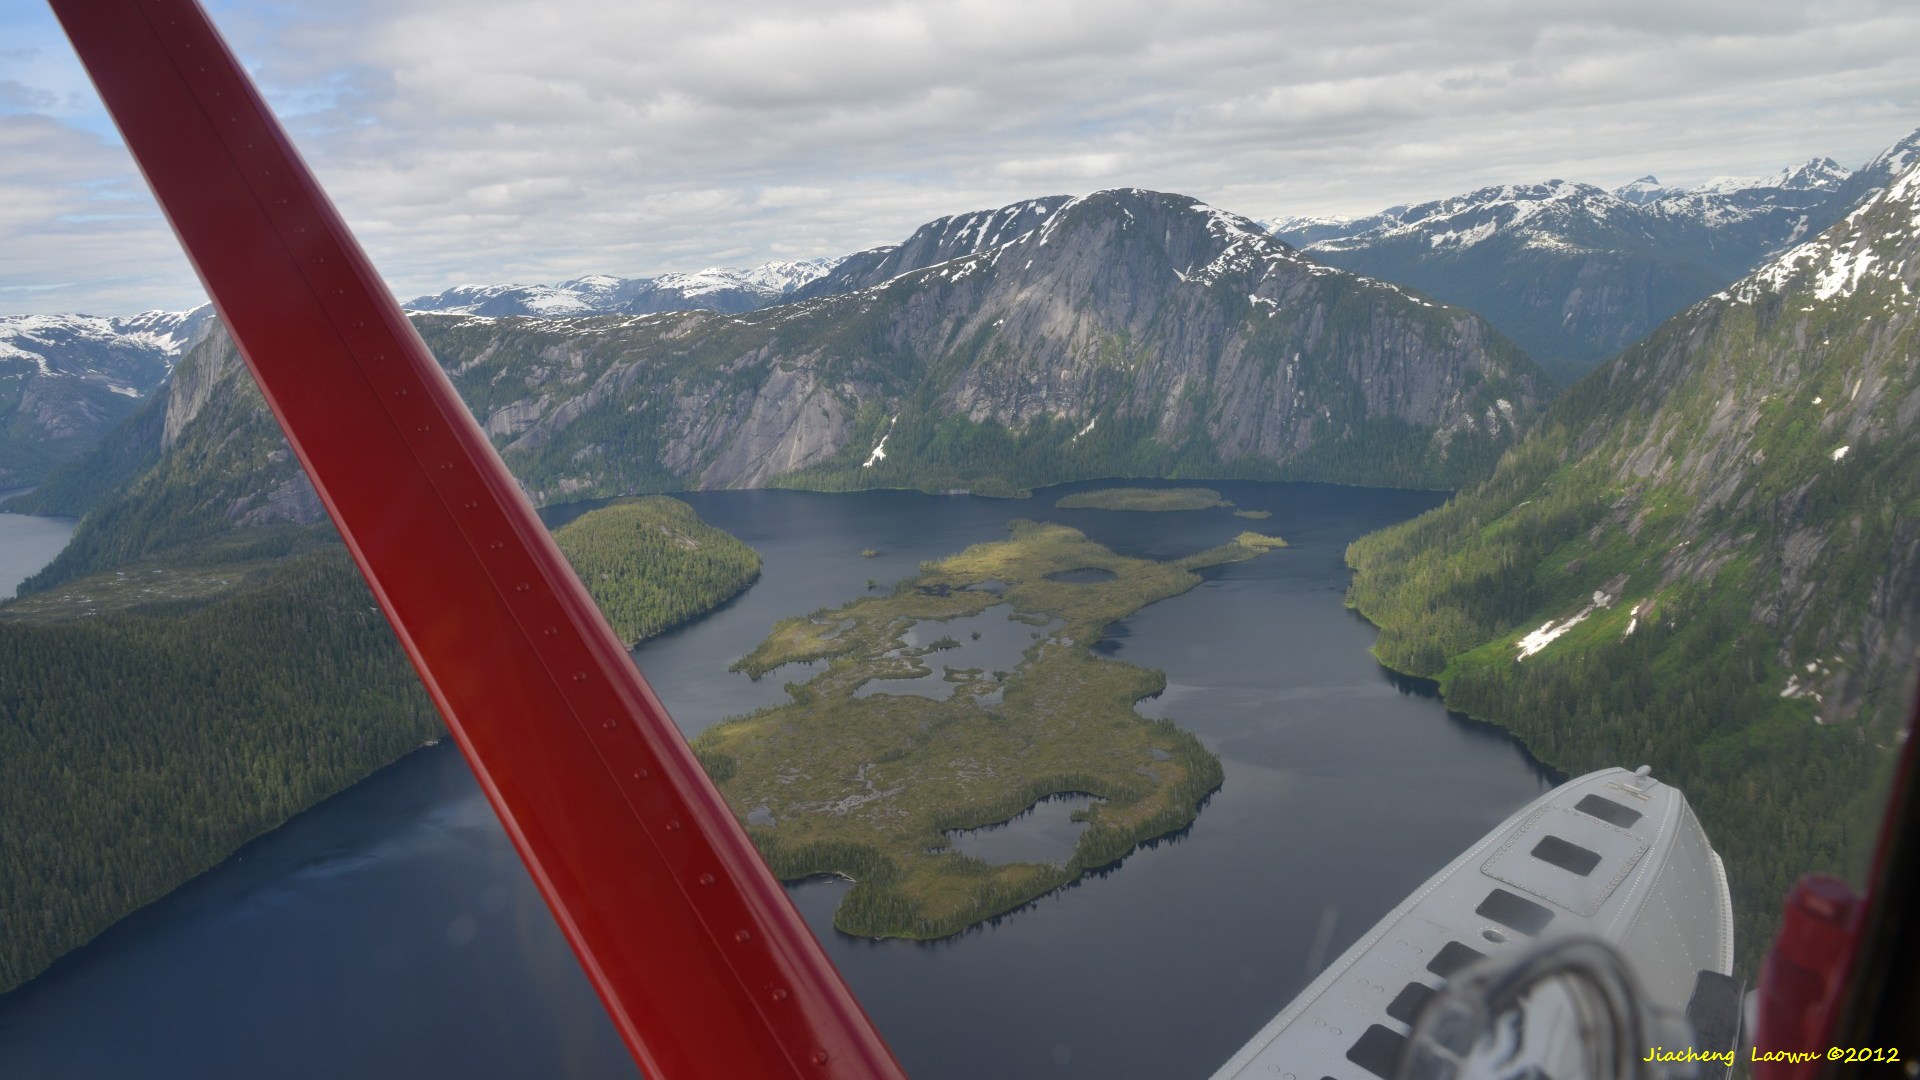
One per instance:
(961, 699)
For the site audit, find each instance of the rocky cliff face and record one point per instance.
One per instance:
(1123, 332)
(207, 458)
(65, 380)
(935, 242)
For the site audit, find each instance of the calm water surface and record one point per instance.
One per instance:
(27, 544)
(392, 932)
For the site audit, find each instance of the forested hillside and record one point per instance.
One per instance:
(139, 748)
(1706, 558)
(202, 662)
(651, 564)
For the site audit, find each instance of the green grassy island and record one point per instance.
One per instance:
(1253, 515)
(651, 564)
(846, 780)
(1153, 499)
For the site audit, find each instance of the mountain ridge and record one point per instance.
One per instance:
(713, 289)
(1706, 555)
(66, 380)
(1022, 344)
(1129, 333)
(1573, 272)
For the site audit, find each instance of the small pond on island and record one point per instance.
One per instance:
(1044, 833)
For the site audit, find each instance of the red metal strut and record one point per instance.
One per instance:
(702, 962)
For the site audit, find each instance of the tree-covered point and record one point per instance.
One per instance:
(651, 564)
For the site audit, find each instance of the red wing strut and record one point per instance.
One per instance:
(701, 960)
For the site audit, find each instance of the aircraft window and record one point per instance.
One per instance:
(1407, 1004)
(1567, 856)
(1608, 811)
(1509, 909)
(1451, 958)
(1378, 1051)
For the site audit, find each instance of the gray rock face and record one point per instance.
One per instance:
(790, 423)
(1097, 330)
(1121, 333)
(196, 383)
(66, 380)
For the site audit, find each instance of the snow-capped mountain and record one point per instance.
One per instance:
(1876, 174)
(952, 237)
(1756, 215)
(1570, 271)
(1869, 255)
(721, 289)
(1816, 174)
(1643, 191)
(66, 379)
(1573, 272)
(1553, 214)
(137, 350)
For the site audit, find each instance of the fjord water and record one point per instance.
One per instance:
(391, 931)
(27, 544)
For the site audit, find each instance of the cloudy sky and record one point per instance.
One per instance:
(485, 141)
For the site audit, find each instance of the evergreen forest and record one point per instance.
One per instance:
(156, 717)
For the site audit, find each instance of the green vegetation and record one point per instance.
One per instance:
(229, 467)
(651, 563)
(77, 486)
(206, 723)
(1150, 499)
(868, 786)
(230, 683)
(175, 580)
(1259, 541)
(1745, 648)
(1253, 515)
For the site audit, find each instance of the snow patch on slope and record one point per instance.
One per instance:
(1840, 261)
(1551, 630)
(879, 453)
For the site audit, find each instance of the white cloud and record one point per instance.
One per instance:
(485, 141)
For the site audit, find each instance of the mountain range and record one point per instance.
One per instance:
(1574, 273)
(1121, 333)
(65, 380)
(712, 289)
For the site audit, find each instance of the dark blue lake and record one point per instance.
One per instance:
(28, 543)
(391, 932)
